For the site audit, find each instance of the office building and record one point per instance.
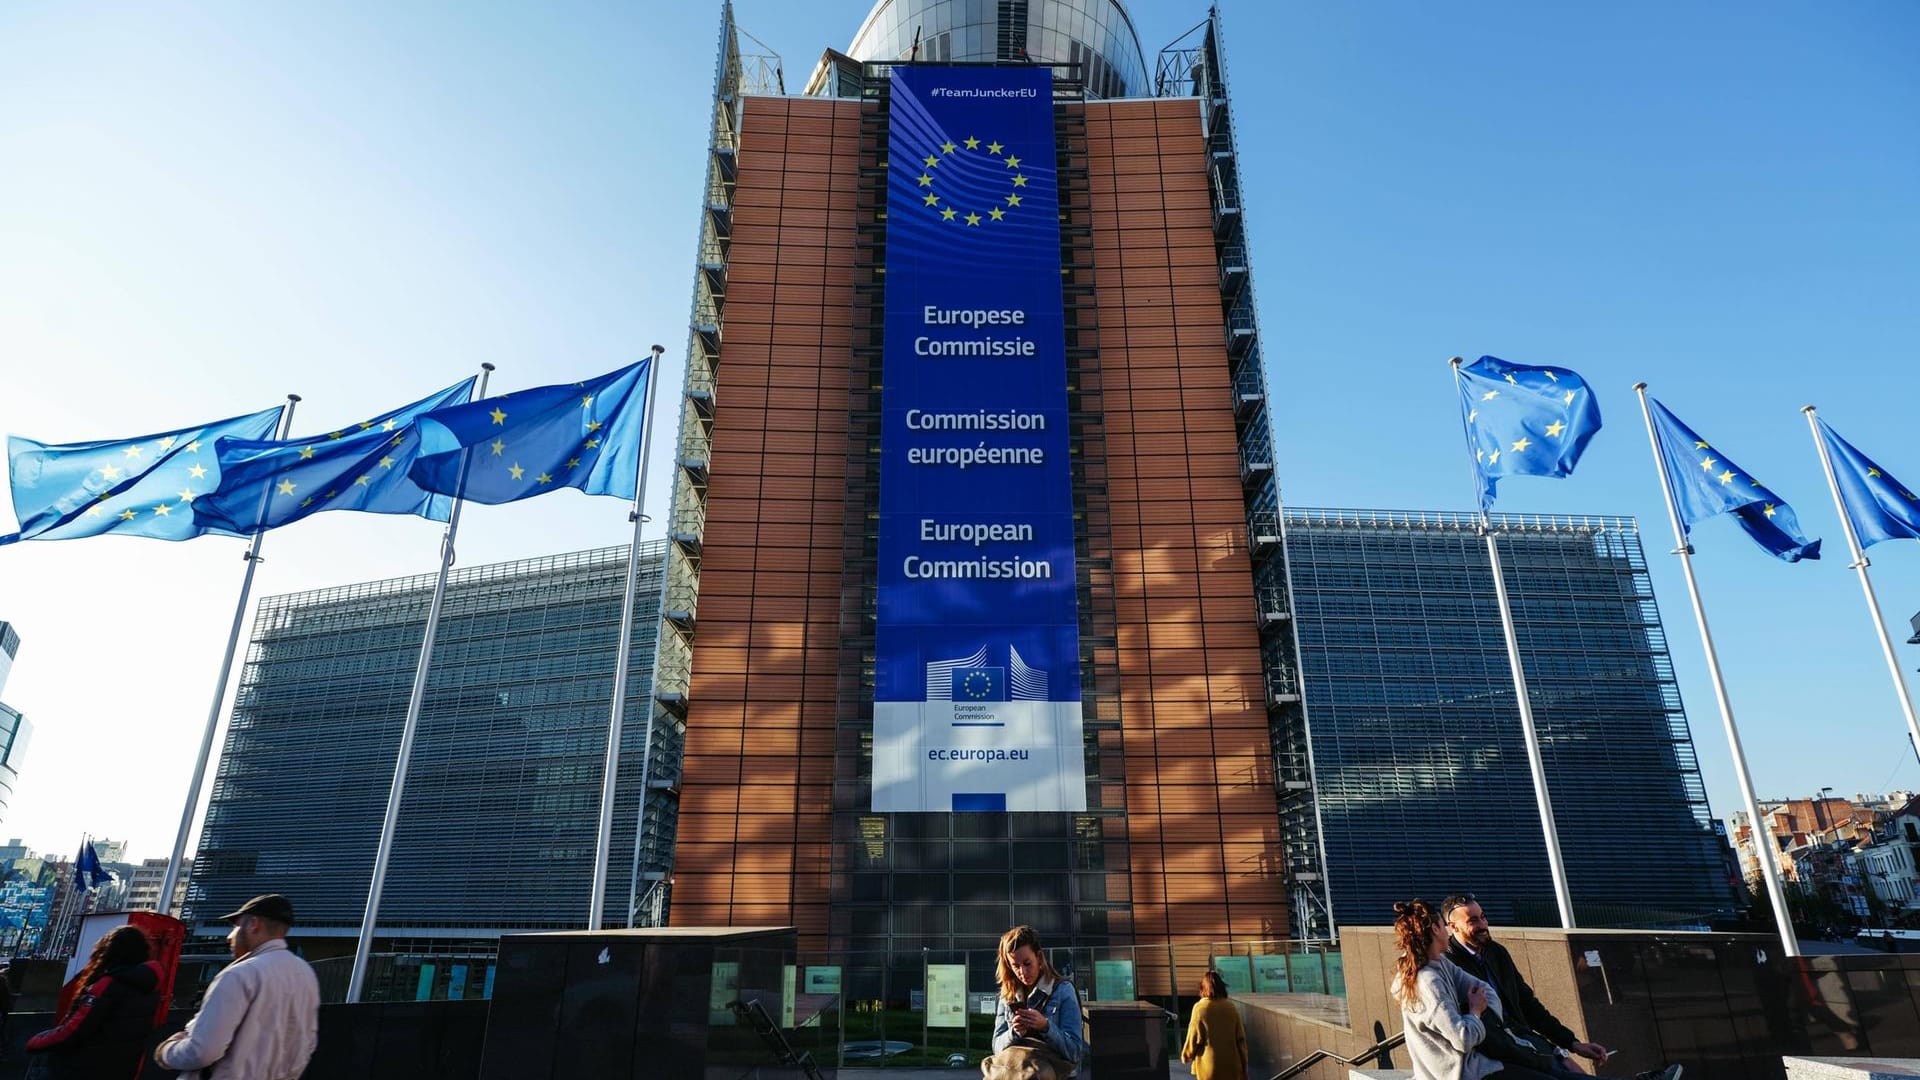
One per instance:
(497, 826)
(15, 730)
(1169, 828)
(1410, 747)
(143, 887)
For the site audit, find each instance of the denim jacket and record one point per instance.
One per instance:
(1064, 1033)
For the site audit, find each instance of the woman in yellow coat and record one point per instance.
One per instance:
(1216, 1043)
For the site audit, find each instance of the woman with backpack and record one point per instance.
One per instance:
(103, 1034)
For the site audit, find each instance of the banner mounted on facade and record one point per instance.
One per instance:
(977, 649)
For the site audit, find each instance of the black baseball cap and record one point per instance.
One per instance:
(271, 906)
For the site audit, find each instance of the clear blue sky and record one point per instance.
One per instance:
(204, 207)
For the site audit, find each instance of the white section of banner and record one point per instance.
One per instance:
(926, 752)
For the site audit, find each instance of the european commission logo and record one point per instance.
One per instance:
(974, 678)
(970, 182)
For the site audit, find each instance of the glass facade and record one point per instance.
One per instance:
(497, 825)
(1097, 36)
(15, 730)
(1419, 772)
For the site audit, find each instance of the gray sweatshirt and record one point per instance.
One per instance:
(1440, 1037)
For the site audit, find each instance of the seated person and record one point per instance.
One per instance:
(1524, 1035)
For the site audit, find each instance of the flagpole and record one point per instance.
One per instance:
(1556, 864)
(646, 744)
(363, 952)
(610, 774)
(1860, 563)
(1769, 866)
(176, 859)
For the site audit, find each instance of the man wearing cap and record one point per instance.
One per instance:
(261, 1016)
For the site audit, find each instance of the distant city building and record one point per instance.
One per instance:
(143, 889)
(110, 851)
(14, 849)
(1799, 824)
(15, 730)
(497, 828)
(1409, 744)
(1890, 866)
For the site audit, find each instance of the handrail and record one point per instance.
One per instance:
(1319, 1056)
(769, 1032)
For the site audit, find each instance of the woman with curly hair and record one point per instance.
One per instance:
(1440, 1005)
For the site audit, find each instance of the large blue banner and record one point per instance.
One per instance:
(978, 646)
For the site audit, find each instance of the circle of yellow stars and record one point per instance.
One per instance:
(986, 684)
(516, 471)
(136, 467)
(1520, 445)
(935, 202)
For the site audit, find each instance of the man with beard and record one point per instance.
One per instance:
(1527, 1035)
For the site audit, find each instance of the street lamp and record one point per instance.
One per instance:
(1820, 809)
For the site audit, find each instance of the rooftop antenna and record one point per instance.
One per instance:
(914, 53)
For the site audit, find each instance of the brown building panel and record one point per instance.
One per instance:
(1201, 813)
(755, 819)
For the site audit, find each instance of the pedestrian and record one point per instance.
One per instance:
(6, 1005)
(1216, 1044)
(1037, 1032)
(105, 1029)
(1442, 1040)
(261, 1016)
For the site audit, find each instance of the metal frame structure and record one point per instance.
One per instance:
(1194, 65)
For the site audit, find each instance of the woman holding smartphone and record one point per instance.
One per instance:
(1037, 1031)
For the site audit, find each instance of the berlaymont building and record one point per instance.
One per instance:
(978, 604)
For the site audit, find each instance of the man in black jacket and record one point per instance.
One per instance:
(1528, 1034)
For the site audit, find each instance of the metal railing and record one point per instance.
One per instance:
(1392, 1042)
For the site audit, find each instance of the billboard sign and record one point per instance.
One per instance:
(977, 648)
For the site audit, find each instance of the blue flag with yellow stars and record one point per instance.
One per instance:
(87, 871)
(1706, 484)
(585, 435)
(1880, 507)
(1524, 420)
(128, 487)
(265, 484)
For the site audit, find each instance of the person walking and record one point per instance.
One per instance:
(104, 1031)
(261, 1016)
(1216, 1044)
(1037, 1030)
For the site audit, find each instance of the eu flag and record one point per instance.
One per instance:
(1880, 507)
(980, 684)
(360, 467)
(585, 435)
(1706, 484)
(87, 871)
(1523, 420)
(129, 487)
